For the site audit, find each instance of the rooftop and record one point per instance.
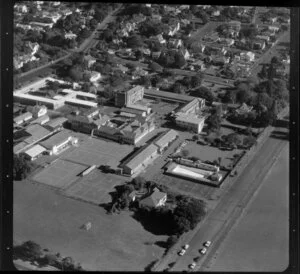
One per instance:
(56, 139)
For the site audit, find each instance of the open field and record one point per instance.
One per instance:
(114, 243)
(98, 152)
(60, 174)
(266, 248)
(95, 187)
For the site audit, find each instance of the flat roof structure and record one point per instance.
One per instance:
(78, 102)
(56, 139)
(35, 151)
(134, 161)
(191, 173)
(25, 116)
(190, 118)
(168, 95)
(41, 120)
(166, 137)
(57, 122)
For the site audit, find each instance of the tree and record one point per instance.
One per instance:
(29, 250)
(139, 55)
(135, 41)
(171, 240)
(21, 168)
(205, 93)
(179, 60)
(155, 67)
(76, 74)
(139, 182)
(196, 80)
(178, 88)
(185, 153)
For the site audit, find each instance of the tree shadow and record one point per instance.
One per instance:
(148, 268)
(162, 244)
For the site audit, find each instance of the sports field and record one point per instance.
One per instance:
(98, 152)
(95, 187)
(60, 174)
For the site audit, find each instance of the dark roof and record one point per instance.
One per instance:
(153, 199)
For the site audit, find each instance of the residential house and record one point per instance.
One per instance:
(156, 54)
(41, 120)
(90, 60)
(21, 8)
(215, 13)
(185, 54)
(173, 29)
(156, 199)
(243, 109)
(122, 32)
(247, 56)
(56, 124)
(273, 19)
(34, 47)
(95, 76)
(263, 37)
(69, 35)
(146, 51)
(40, 24)
(156, 17)
(184, 7)
(160, 39)
(23, 118)
(176, 43)
(227, 41)
(185, 22)
(139, 18)
(122, 68)
(259, 44)
(23, 26)
(273, 29)
(220, 60)
(199, 65)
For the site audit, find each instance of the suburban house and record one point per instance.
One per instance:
(21, 8)
(90, 60)
(263, 37)
(215, 13)
(259, 44)
(175, 43)
(70, 35)
(273, 28)
(244, 108)
(156, 199)
(247, 56)
(220, 60)
(41, 120)
(155, 54)
(227, 41)
(173, 29)
(23, 118)
(156, 17)
(185, 54)
(56, 124)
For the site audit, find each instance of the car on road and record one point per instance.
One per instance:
(192, 265)
(203, 250)
(186, 246)
(207, 243)
(181, 252)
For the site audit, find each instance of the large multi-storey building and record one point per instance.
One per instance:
(129, 97)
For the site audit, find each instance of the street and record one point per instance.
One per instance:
(229, 208)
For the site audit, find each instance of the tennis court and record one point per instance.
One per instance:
(60, 174)
(98, 152)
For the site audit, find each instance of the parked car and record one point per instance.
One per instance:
(207, 243)
(181, 252)
(192, 265)
(186, 246)
(203, 250)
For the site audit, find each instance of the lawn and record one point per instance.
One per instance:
(114, 243)
(60, 174)
(95, 187)
(95, 151)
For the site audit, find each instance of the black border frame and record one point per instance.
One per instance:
(6, 129)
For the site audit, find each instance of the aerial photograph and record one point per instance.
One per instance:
(150, 137)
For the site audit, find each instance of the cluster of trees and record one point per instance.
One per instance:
(187, 83)
(169, 220)
(213, 122)
(22, 167)
(248, 31)
(171, 59)
(31, 251)
(205, 93)
(152, 28)
(132, 9)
